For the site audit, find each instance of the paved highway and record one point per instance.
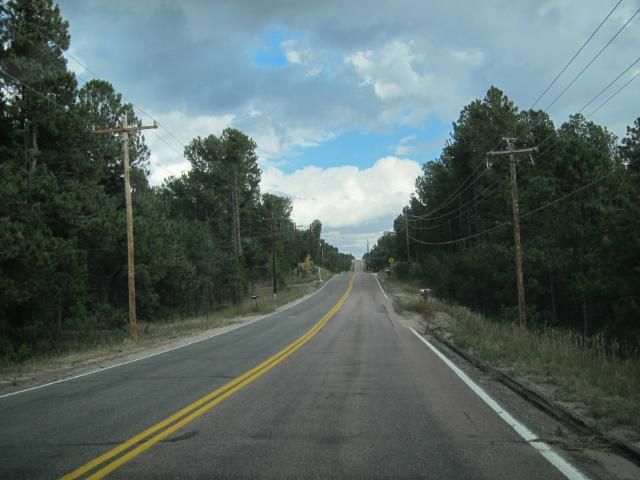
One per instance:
(333, 387)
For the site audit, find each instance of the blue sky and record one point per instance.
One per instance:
(362, 148)
(345, 99)
(270, 53)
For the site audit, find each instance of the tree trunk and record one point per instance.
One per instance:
(232, 221)
(34, 149)
(585, 318)
(237, 215)
(554, 311)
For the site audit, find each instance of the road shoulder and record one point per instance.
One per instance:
(595, 459)
(19, 378)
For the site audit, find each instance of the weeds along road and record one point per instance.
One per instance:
(333, 387)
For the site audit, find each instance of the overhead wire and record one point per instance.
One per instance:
(86, 68)
(614, 94)
(607, 100)
(570, 194)
(525, 215)
(595, 57)
(581, 110)
(62, 107)
(456, 193)
(610, 41)
(608, 85)
(470, 201)
(458, 240)
(575, 55)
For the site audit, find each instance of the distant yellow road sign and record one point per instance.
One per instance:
(391, 260)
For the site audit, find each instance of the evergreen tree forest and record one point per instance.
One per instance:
(202, 240)
(579, 199)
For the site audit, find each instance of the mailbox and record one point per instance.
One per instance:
(425, 293)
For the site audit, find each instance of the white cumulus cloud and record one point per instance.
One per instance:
(167, 152)
(345, 196)
(391, 71)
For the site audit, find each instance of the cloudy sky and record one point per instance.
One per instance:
(346, 99)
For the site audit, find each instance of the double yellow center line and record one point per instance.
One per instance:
(118, 456)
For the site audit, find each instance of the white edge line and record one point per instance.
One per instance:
(381, 289)
(527, 435)
(291, 305)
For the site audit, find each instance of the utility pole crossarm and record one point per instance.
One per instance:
(125, 129)
(515, 151)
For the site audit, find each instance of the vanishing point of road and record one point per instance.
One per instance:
(335, 386)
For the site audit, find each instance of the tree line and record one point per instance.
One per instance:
(580, 209)
(203, 239)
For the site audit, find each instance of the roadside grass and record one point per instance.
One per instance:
(592, 376)
(103, 345)
(309, 278)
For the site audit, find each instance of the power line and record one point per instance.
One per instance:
(35, 90)
(69, 111)
(453, 195)
(575, 55)
(570, 194)
(459, 208)
(548, 137)
(168, 144)
(595, 57)
(469, 237)
(611, 97)
(456, 192)
(86, 67)
(608, 85)
(48, 52)
(531, 212)
(614, 94)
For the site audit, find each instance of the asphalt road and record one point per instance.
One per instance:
(362, 397)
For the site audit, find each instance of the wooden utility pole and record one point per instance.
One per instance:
(516, 222)
(133, 326)
(406, 235)
(235, 197)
